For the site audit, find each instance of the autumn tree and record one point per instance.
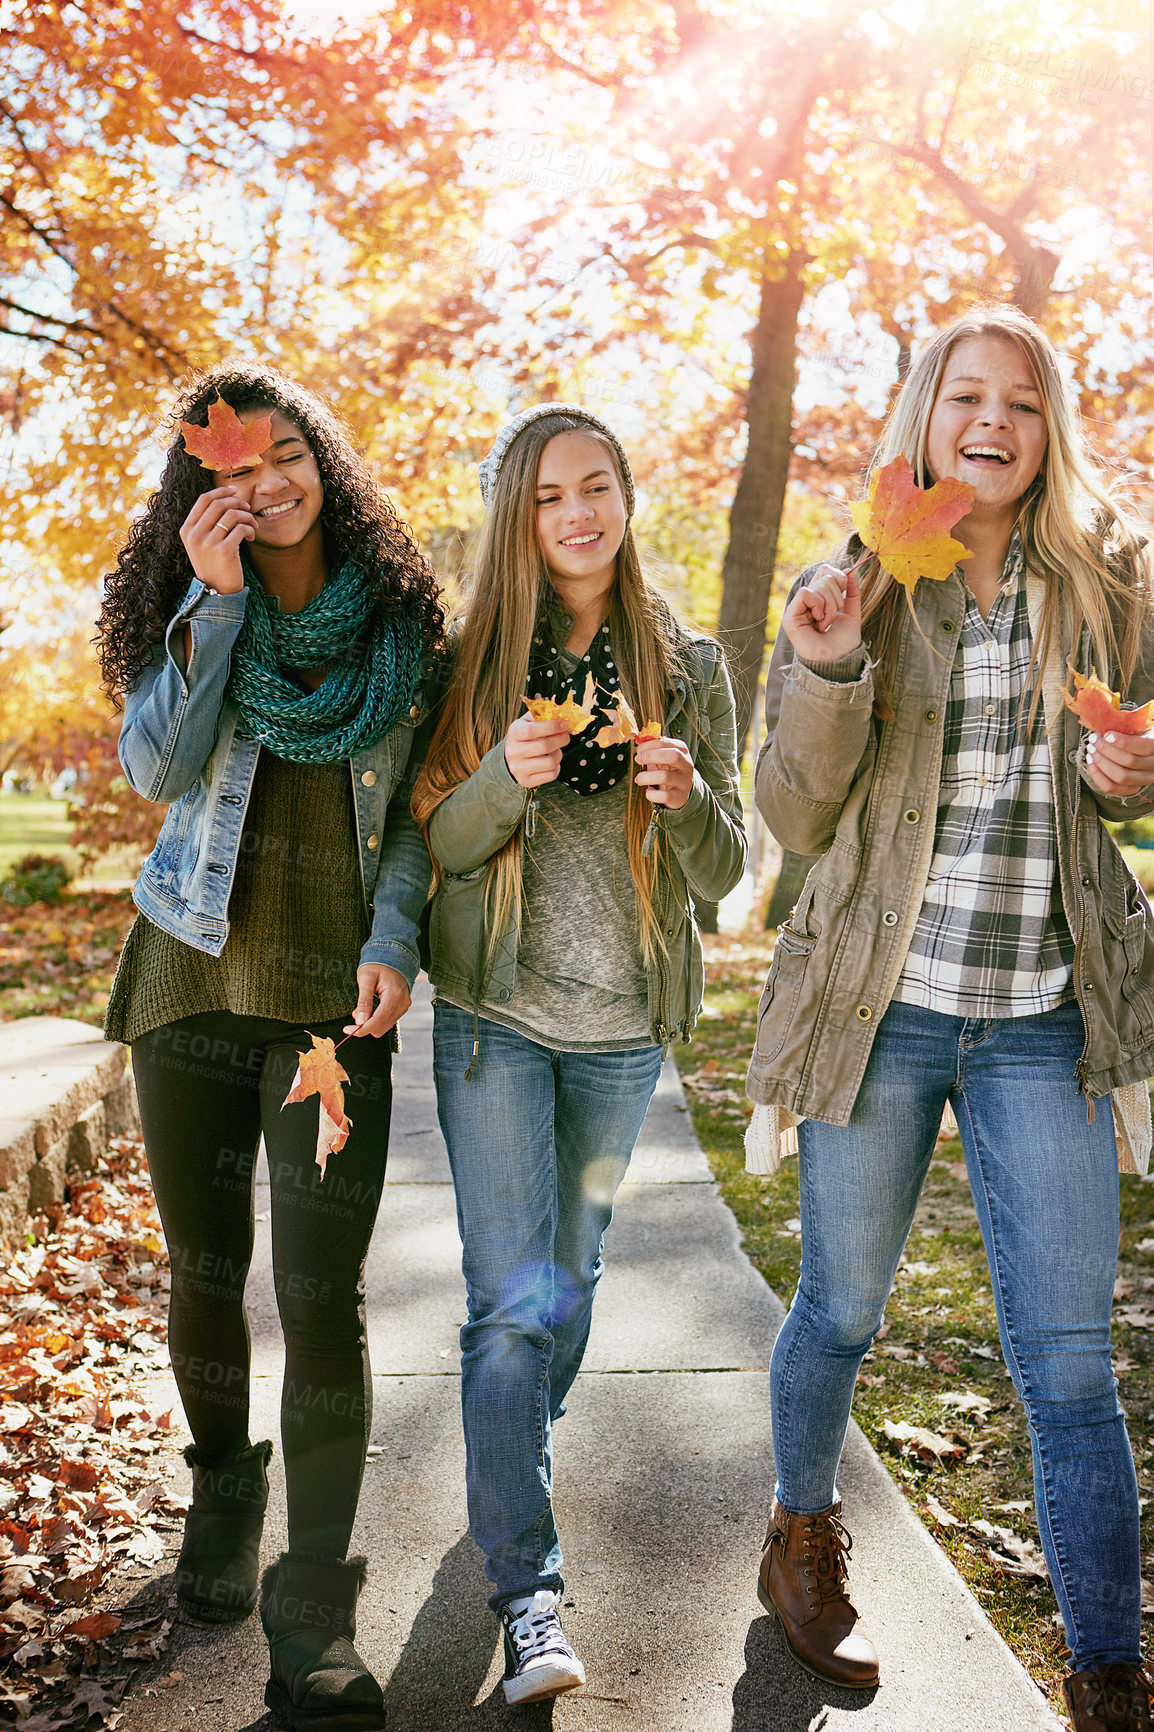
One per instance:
(919, 164)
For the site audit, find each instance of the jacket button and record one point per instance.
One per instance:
(504, 994)
(415, 711)
(912, 816)
(931, 715)
(889, 918)
(947, 625)
(863, 1013)
(1089, 986)
(373, 842)
(369, 779)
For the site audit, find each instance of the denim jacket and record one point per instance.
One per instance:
(181, 744)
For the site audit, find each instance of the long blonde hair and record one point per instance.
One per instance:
(1074, 535)
(507, 588)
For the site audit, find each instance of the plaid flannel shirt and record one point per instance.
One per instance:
(992, 938)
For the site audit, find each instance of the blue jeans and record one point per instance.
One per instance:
(1045, 1185)
(538, 1142)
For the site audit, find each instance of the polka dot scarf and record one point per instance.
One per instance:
(586, 767)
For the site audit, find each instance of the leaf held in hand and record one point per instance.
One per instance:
(321, 1073)
(1100, 709)
(908, 526)
(226, 442)
(623, 726)
(578, 717)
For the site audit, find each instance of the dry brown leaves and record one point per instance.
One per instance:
(82, 1493)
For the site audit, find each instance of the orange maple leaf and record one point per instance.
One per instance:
(623, 726)
(908, 526)
(320, 1072)
(1100, 709)
(578, 718)
(226, 442)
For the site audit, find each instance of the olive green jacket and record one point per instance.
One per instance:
(833, 781)
(705, 854)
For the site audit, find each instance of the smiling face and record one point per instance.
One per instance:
(987, 426)
(580, 512)
(282, 487)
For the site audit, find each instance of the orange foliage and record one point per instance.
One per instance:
(321, 1073)
(1100, 709)
(226, 442)
(908, 526)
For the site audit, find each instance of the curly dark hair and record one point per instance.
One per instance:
(357, 520)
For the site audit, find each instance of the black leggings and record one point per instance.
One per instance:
(208, 1086)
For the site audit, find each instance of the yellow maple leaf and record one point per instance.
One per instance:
(320, 1072)
(577, 717)
(622, 726)
(908, 526)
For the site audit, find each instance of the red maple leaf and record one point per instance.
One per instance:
(1100, 709)
(226, 443)
(908, 526)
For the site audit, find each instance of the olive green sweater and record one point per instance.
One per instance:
(297, 917)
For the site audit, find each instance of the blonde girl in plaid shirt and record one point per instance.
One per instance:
(985, 1011)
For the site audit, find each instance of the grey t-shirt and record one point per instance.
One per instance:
(581, 984)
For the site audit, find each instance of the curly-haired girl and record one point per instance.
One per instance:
(265, 627)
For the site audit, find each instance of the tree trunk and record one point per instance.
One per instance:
(757, 505)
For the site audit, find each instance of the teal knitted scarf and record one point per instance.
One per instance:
(372, 660)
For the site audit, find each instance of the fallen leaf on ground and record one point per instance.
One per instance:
(964, 1401)
(923, 1445)
(1012, 1554)
(578, 717)
(908, 526)
(1100, 709)
(320, 1072)
(82, 1480)
(940, 1514)
(226, 443)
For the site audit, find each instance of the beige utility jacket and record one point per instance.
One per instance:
(833, 781)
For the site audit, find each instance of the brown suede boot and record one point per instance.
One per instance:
(803, 1581)
(1113, 1698)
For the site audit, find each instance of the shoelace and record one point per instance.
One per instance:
(832, 1545)
(1116, 1694)
(537, 1630)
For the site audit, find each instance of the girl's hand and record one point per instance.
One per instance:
(1120, 765)
(666, 772)
(213, 533)
(823, 621)
(533, 751)
(391, 993)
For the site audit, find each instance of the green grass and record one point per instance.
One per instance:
(941, 1333)
(34, 824)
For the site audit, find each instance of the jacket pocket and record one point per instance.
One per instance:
(456, 916)
(782, 990)
(1129, 927)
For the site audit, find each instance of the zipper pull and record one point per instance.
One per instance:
(1080, 1075)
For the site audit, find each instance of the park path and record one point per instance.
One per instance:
(663, 1475)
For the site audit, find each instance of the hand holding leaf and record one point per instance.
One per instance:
(321, 1073)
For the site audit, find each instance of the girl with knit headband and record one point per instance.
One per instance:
(564, 954)
(265, 628)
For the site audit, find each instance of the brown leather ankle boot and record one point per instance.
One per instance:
(1113, 1698)
(803, 1581)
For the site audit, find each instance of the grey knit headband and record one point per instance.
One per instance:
(491, 466)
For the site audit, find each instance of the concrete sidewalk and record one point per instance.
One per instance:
(663, 1476)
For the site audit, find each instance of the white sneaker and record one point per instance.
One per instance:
(538, 1660)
